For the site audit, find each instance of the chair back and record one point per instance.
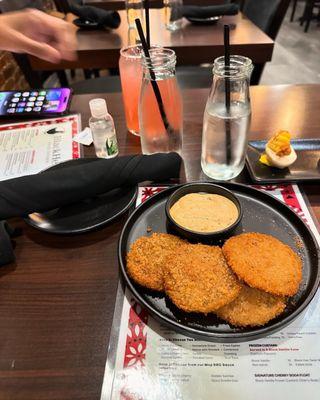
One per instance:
(62, 6)
(267, 14)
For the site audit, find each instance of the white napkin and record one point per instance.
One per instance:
(84, 137)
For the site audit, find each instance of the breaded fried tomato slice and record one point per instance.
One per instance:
(264, 262)
(198, 279)
(252, 307)
(147, 258)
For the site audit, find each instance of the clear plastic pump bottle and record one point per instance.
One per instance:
(103, 130)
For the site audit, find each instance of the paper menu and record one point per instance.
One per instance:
(177, 367)
(258, 369)
(30, 147)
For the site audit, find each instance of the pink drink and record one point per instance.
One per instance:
(131, 80)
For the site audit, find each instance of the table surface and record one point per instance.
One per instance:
(57, 299)
(193, 44)
(120, 4)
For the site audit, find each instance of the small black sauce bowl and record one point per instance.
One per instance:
(202, 187)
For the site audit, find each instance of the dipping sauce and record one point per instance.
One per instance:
(204, 212)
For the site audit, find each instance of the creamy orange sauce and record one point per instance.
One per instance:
(204, 212)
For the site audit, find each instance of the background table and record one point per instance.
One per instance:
(193, 44)
(120, 4)
(57, 300)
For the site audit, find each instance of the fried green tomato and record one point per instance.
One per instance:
(198, 279)
(147, 259)
(264, 262)
(252, 307)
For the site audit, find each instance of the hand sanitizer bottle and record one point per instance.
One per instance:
(103, 131)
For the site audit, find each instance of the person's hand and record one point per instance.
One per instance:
(39, 34)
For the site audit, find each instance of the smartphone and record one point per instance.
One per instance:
(35, 102)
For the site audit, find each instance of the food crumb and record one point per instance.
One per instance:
(149, 229)
(298, 242)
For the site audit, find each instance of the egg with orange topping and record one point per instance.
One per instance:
(279, 153)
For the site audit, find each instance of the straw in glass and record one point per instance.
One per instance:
(153, 78)
(227, 90)
(146, 9)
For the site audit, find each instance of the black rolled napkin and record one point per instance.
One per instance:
(110, 19)
(76, 181)
(209, 11)
(6, 247)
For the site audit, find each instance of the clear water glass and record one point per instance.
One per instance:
(173, 14)
(161, 122)
(225, 129)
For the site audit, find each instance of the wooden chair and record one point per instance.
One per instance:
(268, 16)
(294, 7)
(308, 15)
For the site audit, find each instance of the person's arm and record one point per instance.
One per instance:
(39, 34)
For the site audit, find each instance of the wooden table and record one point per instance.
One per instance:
(121, 4)
(57, 300)
(193, 44)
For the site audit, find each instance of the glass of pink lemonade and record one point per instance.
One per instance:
(131, 79)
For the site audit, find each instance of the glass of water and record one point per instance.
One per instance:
(226, 127)
(173, 14)
(160, 108)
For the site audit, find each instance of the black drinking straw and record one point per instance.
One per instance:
(146, 9)
(227, 87)
(153, 78)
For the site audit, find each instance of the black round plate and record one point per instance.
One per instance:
(204, 21)
(86, 215)
(86, 24)
(261, 213)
